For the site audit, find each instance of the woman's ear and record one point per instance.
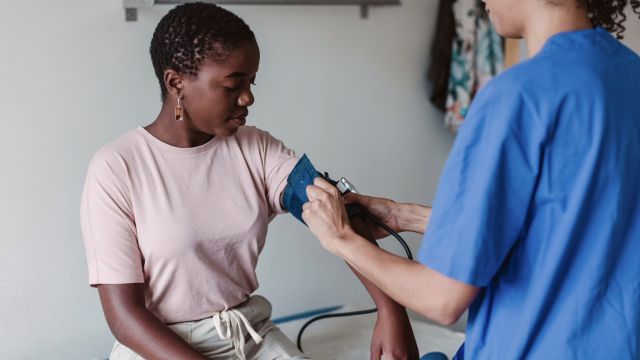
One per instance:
(173, 82)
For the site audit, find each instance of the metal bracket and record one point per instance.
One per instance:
(364, 11)
(131, 6)
(130, 14)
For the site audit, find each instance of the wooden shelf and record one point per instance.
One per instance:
(131, 6)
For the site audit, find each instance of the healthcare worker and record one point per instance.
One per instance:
(535, 226)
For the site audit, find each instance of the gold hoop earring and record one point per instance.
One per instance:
(179, 109)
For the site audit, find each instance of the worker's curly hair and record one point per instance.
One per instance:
(610, 14)
(191, 33)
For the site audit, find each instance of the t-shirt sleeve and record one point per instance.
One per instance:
(108, 225)
(278, 162)
(485, 189)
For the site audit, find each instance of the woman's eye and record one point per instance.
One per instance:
(238, 88)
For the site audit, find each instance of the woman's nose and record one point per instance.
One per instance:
(246, 98)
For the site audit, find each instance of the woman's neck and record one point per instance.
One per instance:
(175, 132)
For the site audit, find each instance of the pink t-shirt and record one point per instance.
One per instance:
(188, 222)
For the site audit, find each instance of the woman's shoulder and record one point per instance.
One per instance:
(249, 131)
(253, 140)
(115, 153)
(253, 135)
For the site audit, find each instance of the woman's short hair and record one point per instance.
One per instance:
(191, 33)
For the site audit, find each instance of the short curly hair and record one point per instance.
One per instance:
(610, 14)
(191, 33)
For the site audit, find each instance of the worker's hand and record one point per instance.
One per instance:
(393, 336)
(380, 208)
(325, 214)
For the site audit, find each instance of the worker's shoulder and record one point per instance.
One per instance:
(528, 75)
(506, 88)
(529, 82)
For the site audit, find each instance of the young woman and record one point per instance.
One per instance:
(536, 223)
(175, 214)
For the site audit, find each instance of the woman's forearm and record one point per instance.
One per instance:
(138, 329)
(412, 217)
(151, 339)
(392, 335)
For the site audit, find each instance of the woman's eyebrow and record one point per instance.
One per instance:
(236, 74)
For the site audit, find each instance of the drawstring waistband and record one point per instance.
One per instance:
(234, 319)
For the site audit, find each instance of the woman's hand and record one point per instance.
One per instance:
(393, 336)
(325, 214)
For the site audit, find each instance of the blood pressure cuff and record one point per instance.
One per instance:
(295, 193)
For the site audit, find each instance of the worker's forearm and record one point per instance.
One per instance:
(407, 282)
(146, 335)
(412, 217)
(383, 301)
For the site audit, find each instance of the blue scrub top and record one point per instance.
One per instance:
(539, 205)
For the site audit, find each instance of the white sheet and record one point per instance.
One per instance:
(349, 338)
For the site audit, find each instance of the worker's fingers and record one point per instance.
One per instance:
(326, 186)
(315, 192)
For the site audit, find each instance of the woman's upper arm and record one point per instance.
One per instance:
(108, 224)
(119, 302)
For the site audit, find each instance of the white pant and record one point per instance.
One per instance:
(204, 336)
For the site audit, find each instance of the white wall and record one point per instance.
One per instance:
(632, 33)
(349, 92)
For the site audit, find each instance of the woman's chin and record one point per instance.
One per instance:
(229, 131)
(228, 128)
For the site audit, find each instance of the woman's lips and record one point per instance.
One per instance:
(240, 121)
(240, 118)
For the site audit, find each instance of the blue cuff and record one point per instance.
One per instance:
(295, 194)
